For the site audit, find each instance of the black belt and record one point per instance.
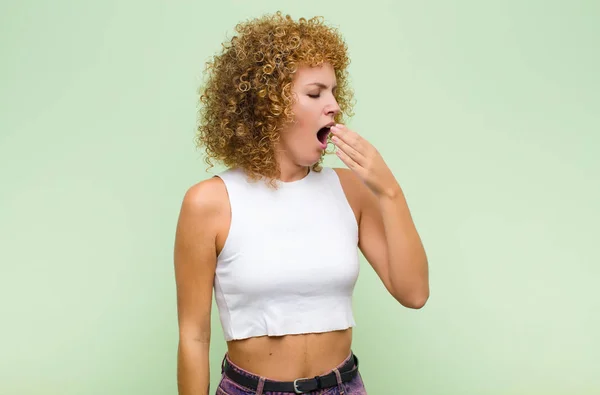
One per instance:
(299, 386)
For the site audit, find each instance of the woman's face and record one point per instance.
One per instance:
(314, 107)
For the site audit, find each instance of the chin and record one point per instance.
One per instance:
(313, 160)
(308, 158)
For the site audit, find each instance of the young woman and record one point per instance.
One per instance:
(276, 235)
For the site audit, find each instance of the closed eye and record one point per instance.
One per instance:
(321, 86)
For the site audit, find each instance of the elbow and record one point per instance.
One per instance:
(194, 336)
(416, 302)
(415, 299)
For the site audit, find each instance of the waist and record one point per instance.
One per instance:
(288, 357)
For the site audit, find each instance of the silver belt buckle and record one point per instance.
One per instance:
(296, 390)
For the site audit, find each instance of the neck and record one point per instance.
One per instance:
(291, 171)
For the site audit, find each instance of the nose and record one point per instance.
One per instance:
(333, 108)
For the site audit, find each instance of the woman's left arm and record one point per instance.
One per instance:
(388, 236)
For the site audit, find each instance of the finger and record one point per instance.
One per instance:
(348, 136)
(352, 165)
(348, 150)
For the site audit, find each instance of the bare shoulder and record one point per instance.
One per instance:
(204, 212)
(353, 187)
(350, 181)
(347, 177)
(205, 197)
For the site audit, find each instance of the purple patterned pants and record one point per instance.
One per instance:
(353, 387)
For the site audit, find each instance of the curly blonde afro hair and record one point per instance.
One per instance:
(247, 98)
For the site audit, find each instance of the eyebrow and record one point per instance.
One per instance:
(321, 85)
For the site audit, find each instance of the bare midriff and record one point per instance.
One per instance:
(286, 358)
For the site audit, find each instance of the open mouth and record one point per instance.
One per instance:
(323, 134)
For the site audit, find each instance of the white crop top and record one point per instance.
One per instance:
(290, 261)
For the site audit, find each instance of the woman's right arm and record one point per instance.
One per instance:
(195, 263)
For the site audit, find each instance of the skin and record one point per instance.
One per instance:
(388, 240)
(314, 107)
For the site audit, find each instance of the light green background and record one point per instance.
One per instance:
(487, 112)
